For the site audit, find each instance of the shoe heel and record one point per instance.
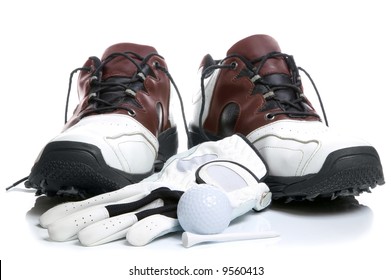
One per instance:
(168, 146)
(196, 137)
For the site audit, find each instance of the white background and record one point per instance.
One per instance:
(344, 45)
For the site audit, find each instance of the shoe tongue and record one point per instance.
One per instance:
(121, 66)
(120, 70)
(256, 46)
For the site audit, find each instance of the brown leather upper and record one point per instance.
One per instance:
(156, 85)
(231, 87)
(256, 46)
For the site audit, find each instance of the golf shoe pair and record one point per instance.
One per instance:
(123, 130)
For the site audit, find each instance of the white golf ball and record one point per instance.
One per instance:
(204, 209)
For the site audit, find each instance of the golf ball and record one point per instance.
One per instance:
(204, 209)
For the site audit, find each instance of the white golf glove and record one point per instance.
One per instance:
(144, 211)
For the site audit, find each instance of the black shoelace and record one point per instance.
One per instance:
(297, 109)
(125, 88)
(98, 86)
(139, 77)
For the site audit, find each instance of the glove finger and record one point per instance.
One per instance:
(135, 192)
(67, 227)
(150, 228)
(117, 225)
(107, 230)
(156, 222)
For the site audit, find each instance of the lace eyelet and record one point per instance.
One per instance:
(93, 79)
(234, 64)
(130, 92)
(156, 64)
(92, 95)
(269, 117)
(131, 113)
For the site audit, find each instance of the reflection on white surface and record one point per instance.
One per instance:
(320, 222)
(329, 237)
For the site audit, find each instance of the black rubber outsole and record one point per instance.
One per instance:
(77, 170)
(345, 172)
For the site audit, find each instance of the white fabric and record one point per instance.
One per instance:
(133, 193)
(89, 219)
(244, 191)
(232, 148)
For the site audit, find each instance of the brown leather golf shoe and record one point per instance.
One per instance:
(120, 132)
(257, 91)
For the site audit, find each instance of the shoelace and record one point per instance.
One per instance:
(269, 95)
(17, 183)
(97, 86)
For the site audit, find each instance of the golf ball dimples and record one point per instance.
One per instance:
(204, 209)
